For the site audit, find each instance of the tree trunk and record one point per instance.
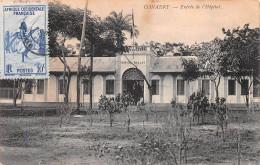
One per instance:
(90, 77)
(65, 112)
(64, 79)
(247, 99)
(216, 86)
(68, 87)
(80, 54)
(217, 93)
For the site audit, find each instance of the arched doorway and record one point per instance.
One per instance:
(133, 82)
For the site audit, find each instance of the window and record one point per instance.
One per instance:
(205, 87)
(231, 87)
(244, 87)
(110, 87)
(61, 89)
(180, 87)
(155, 87)
(7, 89)
(28, 86)
(86, 87)
(40, 86)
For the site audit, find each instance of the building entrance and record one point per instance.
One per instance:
(135, 87)
(133, 82)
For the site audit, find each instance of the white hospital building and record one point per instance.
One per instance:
(113, 75)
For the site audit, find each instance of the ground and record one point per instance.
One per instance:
(32, 136)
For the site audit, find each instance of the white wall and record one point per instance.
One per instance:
(168, 88)
(73, 89)
(98, 88)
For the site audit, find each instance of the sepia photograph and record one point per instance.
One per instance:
(129, 82)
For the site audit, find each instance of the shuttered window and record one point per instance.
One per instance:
(109, 87)
(155, 87)
(180, 87)
(231, 87)
(40, 86)
(205, 87)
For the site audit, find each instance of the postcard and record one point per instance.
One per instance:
(129, 82)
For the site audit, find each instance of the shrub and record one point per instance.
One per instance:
(198, 104)
(126, 100)
(221, 117)
(108, 105)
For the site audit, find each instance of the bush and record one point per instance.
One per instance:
(198, 104)
(108, 105)
(221, 117)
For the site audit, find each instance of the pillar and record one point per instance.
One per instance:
(45, 90)
(212, 92)
(161, 88)
(174, 88)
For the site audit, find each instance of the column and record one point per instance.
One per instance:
(238, 92)
(174, 87)
(161, 88)
(187, 91)
(225, 88)
(45, 90)
(199, 84)
(251, 91)
(212, 92)
(57, 87)
(118, 80)
(34, 91)
(104, 85)
(167, 91)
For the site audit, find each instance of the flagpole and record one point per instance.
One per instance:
(133, 31)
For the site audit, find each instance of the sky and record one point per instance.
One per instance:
(177, 24)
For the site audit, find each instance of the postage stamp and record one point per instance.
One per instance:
(24, 40)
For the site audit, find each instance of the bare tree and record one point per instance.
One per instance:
(80, 54)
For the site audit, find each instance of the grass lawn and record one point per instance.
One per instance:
(34, 137)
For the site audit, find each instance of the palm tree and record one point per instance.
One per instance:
(117, 23)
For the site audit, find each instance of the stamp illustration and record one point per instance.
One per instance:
(24, 42)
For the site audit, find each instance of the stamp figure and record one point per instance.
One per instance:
(24, 46)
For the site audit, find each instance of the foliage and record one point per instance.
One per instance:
(127, 99)
(167, 145)
(107, 104)
(117, 23)
(152, 149)
(63, 21)
(123, 102)
(173, 49)
(106, 35)
(241, 47)
(191, 70)
(220, 110)
(198, 104)
(116, 105)
(209, 55)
